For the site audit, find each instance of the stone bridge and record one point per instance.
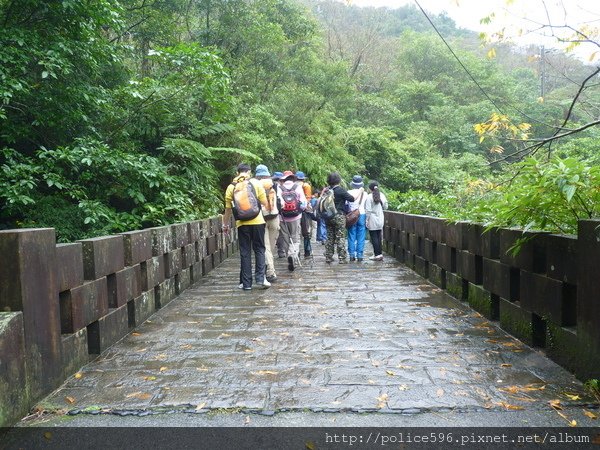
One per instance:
(152, 321)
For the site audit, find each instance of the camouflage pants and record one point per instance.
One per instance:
(336, 237)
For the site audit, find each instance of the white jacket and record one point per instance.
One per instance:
(374, 211)
(356, 193)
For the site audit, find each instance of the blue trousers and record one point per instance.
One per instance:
(321, 231)
(356, 237)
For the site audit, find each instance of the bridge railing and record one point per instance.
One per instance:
(547, 295)
(61, 305)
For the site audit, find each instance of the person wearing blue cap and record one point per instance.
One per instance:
(357, 233)
(271, 215)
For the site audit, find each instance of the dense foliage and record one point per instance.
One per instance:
(116, 115)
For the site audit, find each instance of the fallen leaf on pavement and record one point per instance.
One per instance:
(555, 404)
(70, 400)
(573, 397)
(590, 414)
(200, 406)
(509, 406)
(390, 373)
(78, 375)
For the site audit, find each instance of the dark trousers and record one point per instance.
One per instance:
(376, 241)
(252, 237)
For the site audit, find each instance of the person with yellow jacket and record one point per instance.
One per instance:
(243, 199)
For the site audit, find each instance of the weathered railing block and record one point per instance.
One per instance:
(588, 294)
(102, 256)
(162, 240)
(14, 393)
(83, 305)
(69, 270)
(138, 246)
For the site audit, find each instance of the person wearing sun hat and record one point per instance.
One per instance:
(357, 232)
(271, 215)
(293, 202)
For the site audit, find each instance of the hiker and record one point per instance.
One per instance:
(307, 216)
(271, 216)
(321, 224)
(243, 199)
(336, 224)
(279, 243)
(357, 231)
(375, 204)
(293, 202)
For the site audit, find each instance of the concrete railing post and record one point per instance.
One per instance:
(28, 283)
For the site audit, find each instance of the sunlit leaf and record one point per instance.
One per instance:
(70, 400)
(590, 414)
(555, 404)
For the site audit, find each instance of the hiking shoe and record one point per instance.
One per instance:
(272, 278)
(359, 259)
(265, 284)
(241, 286)
(291, 263)
(248, 288)
(373, 258)
(307, 254)
(352, 259)
(379, 258)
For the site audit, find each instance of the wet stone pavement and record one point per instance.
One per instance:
(363, 337)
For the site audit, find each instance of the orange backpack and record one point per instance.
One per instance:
(273, 210)
(245, 201)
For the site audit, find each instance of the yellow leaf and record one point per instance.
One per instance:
(78, 375)
(70, 400)
(135, 333)
(573, 397)
(150, 378)
(491, 54)
(573, 423)
(163, 368)
(200, 406)
(555, 404)
(310, 445)
(403, 388)
(592, 56)
(390, 373)
(505, 365)
(509, 406)
(590, 414)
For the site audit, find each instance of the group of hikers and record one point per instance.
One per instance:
(275, 213)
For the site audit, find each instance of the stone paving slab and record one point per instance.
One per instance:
(369, 336)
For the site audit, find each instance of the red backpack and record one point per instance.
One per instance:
(291, 202)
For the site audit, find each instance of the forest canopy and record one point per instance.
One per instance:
(118, 115)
